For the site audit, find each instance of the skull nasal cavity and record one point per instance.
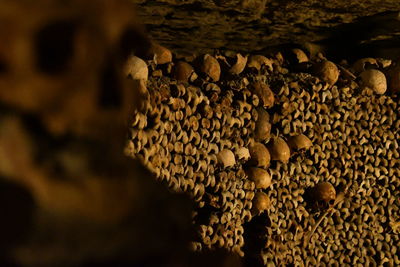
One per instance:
(3, 67)
(54, 46)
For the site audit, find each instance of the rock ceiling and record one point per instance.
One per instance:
(340, 28)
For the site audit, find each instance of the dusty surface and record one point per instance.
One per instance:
(247, 25)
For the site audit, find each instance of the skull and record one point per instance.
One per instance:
(64, 95)
(63, 62)
(324, 195)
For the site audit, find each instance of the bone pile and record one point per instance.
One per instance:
(265, 146)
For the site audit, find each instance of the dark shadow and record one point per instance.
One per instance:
(361, 38)
(16, 206)
(255, 235)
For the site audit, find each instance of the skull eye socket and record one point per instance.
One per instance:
(331, 202)
(54, 46)
(133, 41)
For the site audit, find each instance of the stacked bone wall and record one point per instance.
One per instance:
(196, 132)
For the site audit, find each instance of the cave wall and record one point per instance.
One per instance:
(339, 28)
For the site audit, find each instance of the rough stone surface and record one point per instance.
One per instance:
(254, 25)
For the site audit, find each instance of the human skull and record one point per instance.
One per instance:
(324, 195)
(63, 61)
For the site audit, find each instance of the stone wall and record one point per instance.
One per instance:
(342, 27)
